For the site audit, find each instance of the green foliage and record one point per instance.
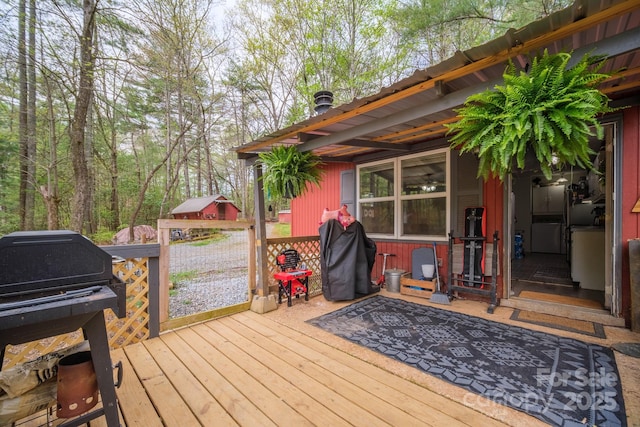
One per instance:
(9, 173)
(167, 79)
(551, 110)
(216, 237)
(288, 171)
(281, 230)
(435, 30)
(103, 237)
(182, 276)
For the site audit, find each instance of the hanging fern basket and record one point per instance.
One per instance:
(288, 171)
(552, 110)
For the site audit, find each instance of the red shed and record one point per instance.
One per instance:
(214, 207)
(284, 216)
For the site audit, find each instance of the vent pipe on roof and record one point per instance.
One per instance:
(324, 101)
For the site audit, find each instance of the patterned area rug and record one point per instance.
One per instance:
(561, 381)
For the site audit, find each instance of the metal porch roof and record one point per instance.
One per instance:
(410, 115)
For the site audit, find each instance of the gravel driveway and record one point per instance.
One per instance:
(217, 274)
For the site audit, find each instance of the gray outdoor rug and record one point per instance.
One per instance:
(561, 381)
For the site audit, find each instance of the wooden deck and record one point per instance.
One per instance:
(264, 370)
(276, 370)
(224, 372)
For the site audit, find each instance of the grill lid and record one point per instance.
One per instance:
(41, 261)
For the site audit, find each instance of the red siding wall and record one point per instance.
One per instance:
(230, 212)
(190, 215)
(402, 258)
(306, 210)
(212, 212)
(630, 195)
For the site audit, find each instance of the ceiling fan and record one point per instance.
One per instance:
(430, 184)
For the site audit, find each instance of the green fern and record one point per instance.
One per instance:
(551, 110)
(288, 171)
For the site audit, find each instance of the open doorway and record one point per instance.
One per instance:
(562, 231)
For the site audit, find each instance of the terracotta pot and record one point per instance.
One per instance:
(77, 385)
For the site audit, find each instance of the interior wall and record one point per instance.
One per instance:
(521, 185)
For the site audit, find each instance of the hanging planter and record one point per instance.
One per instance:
(288, 171)
(551, 109)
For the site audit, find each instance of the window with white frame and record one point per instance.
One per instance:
(406, 197)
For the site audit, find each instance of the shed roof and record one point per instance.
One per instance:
(411, 114)
(199, 203)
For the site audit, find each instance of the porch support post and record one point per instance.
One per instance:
(262, 301)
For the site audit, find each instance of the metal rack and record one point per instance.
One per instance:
(471, 281)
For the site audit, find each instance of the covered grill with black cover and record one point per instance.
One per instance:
(346, 256)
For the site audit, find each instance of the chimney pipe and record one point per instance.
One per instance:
(324, 101)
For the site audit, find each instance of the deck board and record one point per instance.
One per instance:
(437, 409)
(425, 405)
(202, 404)
(139, 411)
(232, 399)
(251, 370)
(261, 372)
(356, 403)
(241, 366)
(166, 399)
(323, 405)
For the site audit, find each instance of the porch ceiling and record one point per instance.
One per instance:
(411, 114)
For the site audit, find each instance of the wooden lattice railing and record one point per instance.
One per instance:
(308, 248)
(139, 271)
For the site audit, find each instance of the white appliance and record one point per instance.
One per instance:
(587, 257)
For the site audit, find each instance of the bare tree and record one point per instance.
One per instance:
(23, 115)
(84, 93)
(49, 191)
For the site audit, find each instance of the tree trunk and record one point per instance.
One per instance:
(115, 205)
(30, 196)
(22, 129)
(89, 218)
(50, 193)
(83, 100)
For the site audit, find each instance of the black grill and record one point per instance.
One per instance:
(41, 263)
(55, 282)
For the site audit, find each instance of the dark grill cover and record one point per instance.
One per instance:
(346, 257)
(40, 261)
